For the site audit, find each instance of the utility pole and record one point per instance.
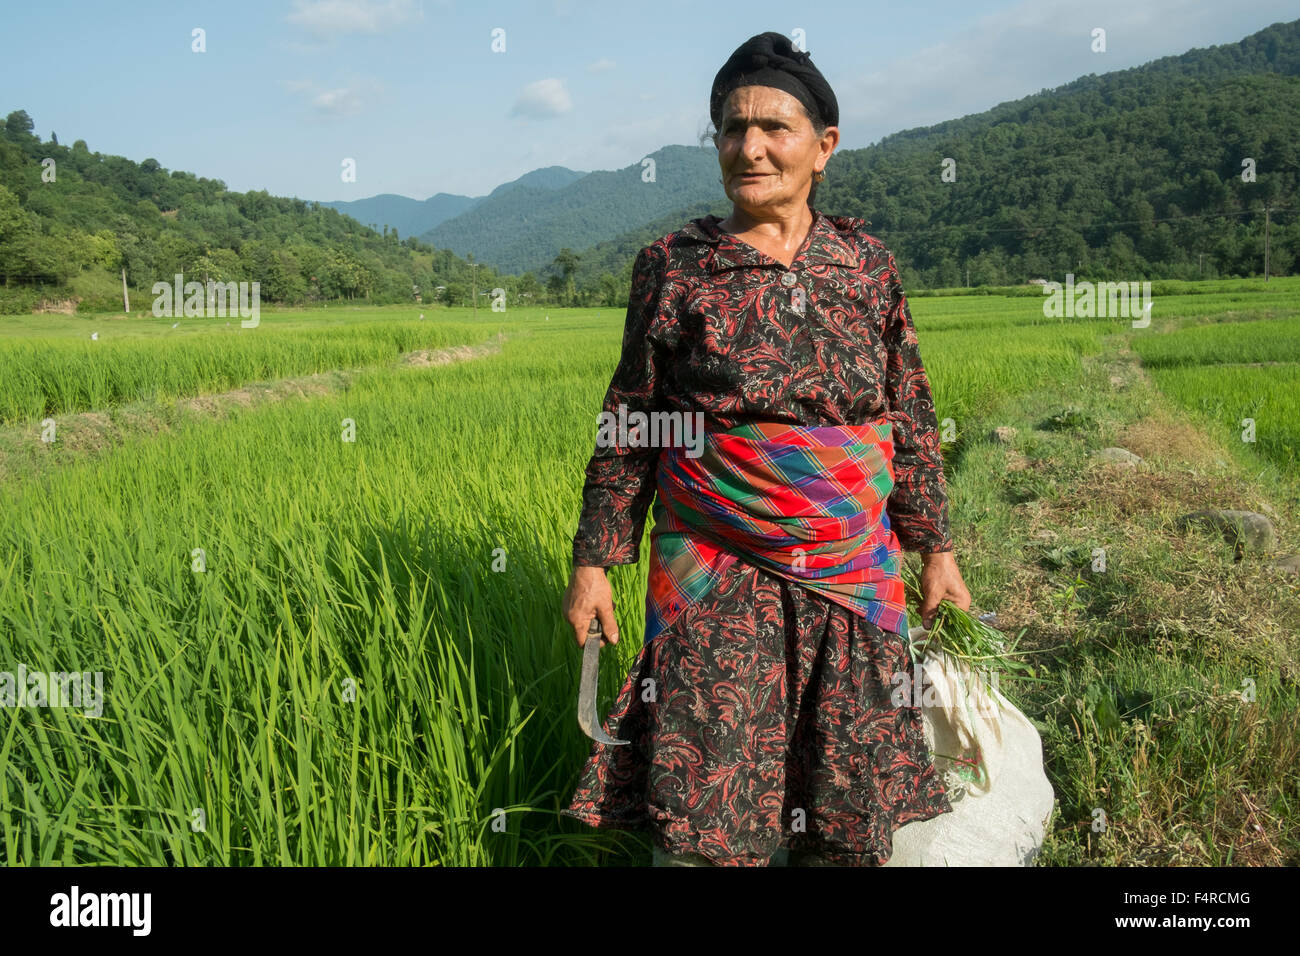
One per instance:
(1266, 217)
(473, 284)
(126, 302)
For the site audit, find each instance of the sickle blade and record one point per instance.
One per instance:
(588, 718)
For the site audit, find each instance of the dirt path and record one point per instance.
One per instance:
(1084, 561)
(95, 432)
(1074, 503)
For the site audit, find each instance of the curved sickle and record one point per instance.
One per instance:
(588, 719)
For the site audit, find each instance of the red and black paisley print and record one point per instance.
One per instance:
(762, 716)
(711, 327)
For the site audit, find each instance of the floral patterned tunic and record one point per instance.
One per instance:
(762, 717)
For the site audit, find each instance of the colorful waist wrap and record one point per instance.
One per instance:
(806, 503)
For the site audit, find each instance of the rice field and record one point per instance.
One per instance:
(62, 368)
(329, 630)
(1240, 378)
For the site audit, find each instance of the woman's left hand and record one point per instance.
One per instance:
(941, 580)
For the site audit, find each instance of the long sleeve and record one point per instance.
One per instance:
(918, 505)
(620, 481)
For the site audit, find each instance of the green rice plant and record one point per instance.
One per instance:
(1222, 343)
(1225, 397)
(44, 374)
(319, 651)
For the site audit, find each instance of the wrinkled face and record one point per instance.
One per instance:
(767, 148)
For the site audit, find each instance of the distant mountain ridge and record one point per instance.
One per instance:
(413, 217)
(1167, 170)
(525, 228)
(1155, 148)
(408, 216)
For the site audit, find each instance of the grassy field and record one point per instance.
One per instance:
(318, 650)
(1230, 373)
(50, 365)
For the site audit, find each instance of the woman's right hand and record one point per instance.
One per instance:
(589, 596)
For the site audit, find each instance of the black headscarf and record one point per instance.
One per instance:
(770, 59)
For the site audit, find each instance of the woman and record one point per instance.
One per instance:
(759, 711)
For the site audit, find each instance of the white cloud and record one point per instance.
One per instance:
(347, 100)
(340, 102)
(338, 17)
(601, 65)
(544, 98)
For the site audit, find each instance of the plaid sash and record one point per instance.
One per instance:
(807, 503)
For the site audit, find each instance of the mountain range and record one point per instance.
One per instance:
(1185, 167)
(1135, 169)
(415, 217)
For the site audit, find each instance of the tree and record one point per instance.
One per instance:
(528, 288)
(611, 290)
(567, 263)
(457, 293)
(555, 288)
(18, 125)
(17, 233)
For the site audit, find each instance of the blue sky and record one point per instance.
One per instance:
(412, 91)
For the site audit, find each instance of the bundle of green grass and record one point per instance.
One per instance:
(967, 637)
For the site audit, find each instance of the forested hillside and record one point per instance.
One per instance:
(68, 228)
(1174, 169)
(1133, 174)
